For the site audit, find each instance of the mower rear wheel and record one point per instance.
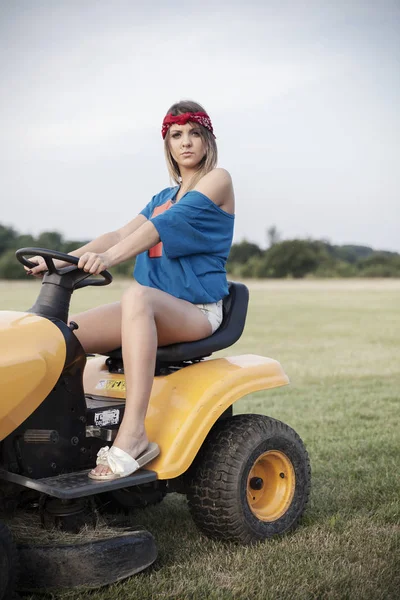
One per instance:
(250, 480)
(8, 563)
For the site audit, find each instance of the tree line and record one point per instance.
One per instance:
(295, 258)
(298, 258)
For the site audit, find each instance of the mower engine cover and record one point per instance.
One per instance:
(32, 357)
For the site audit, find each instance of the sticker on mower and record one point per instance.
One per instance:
(107, 417)
(111, 384)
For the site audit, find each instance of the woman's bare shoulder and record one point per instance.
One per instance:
(217, 185)
(217, 176)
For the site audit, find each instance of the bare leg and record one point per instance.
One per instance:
(99, 328)
(148, 318)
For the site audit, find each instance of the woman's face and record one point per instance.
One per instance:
(186, 145)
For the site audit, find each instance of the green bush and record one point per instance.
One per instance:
(380, 264)
(10, 268)
(295, 258)
(337, 268)
(240, 253)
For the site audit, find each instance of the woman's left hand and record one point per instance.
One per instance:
(94, 263)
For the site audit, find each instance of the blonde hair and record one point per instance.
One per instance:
(210, 159)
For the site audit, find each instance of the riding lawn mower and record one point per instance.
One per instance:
(246, 476)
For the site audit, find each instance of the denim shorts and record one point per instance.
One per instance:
(213, 313)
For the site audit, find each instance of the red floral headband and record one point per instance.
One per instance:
(201, 118)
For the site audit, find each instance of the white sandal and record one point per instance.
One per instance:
(121, 463)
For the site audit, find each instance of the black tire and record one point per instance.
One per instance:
(128, 499)
(8, 563)
(221, 498)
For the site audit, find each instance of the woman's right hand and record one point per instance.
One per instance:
(39, 270)
(41, 267)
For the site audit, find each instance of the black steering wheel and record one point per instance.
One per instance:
(78, 278)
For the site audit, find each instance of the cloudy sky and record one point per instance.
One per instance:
(304, 98)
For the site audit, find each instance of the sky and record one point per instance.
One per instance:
(304, 98)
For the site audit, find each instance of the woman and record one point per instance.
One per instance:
(181, 241)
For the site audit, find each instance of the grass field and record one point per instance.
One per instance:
(339, 341)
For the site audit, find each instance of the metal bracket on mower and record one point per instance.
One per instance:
(108, 435)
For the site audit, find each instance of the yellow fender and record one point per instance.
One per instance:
(32, 359)
(185, 404)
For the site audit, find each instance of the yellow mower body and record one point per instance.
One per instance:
(185, 404)
(32, 358)
(246, 476)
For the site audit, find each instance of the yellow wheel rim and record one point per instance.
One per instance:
(270, 485)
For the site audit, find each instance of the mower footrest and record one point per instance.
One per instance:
(76, 485)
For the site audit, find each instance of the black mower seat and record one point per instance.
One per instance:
(230, 330)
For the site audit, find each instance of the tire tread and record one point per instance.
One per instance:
(213, 495)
